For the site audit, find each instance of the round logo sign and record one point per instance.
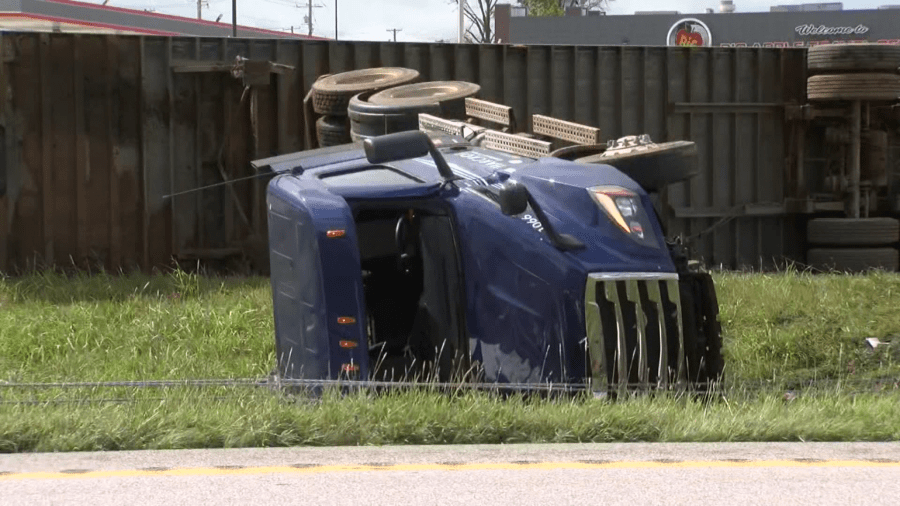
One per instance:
(689, 32)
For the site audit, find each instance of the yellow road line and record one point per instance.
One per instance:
(477, 466)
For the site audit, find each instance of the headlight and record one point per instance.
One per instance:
(624, 208)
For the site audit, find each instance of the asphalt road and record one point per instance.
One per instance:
(601, 474)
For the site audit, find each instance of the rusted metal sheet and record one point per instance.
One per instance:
(98, 129)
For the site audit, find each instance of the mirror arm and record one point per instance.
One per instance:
(563, 242)
(441, 163)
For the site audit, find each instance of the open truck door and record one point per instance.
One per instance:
(319, 297)
(316, 284)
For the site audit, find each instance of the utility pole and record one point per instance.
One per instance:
(462, 21)
(200, 5)
(309, 18)
(234, 18)
(395, 30)
(335, 20)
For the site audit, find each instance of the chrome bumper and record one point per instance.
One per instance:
(635, 335)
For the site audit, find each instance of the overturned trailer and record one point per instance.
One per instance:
(90, 158)
(847, 164)
(464, 249)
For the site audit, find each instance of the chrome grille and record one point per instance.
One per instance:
(634, 331)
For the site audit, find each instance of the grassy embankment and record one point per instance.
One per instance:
(779, 330)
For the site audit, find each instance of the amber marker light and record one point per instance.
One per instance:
(334, 234)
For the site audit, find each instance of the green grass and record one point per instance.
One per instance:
(798, 326)
(779, 329)
(95, 328)
(190, 419)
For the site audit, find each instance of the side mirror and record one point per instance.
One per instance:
(403, 146)
(513, 198)
(396, 146)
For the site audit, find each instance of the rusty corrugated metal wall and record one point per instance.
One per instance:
(97, 129)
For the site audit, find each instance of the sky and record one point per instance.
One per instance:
(416, 20)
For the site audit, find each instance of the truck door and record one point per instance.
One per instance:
(316, 282)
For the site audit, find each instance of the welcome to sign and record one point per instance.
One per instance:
(811, 30)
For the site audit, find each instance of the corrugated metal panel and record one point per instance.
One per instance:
(98, 129)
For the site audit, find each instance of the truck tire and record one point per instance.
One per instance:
(853, 259)
(853, 231)
(653, 168)
(332, 131)
(332, 93)
(865, 86)
(832, 58)
(702, 331)
(368, 119)
(450, 95)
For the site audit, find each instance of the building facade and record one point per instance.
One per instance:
(78, 17)
(784, 26)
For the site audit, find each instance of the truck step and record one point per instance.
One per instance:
(515, 144)
(565, 130)
(496, 113)
(429, 123)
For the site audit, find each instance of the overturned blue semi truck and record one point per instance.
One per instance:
(456, 251)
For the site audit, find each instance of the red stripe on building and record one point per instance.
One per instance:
(181, 19)
(68, 21)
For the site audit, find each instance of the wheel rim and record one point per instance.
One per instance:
(424, 93)
(365, 79)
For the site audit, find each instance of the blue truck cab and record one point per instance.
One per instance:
(426, 256)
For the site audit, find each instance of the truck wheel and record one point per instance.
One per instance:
(853, 58)
(853, 259)
(368, 119)
(450, 95)
(332, 131)
(866, 86)
(652, 167)
(853, 232)
(331, 94)
(702, 330)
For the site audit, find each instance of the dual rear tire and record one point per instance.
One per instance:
(397, 109)
(331, 97)
(853, 244)
(853, 72)
(361, 104)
